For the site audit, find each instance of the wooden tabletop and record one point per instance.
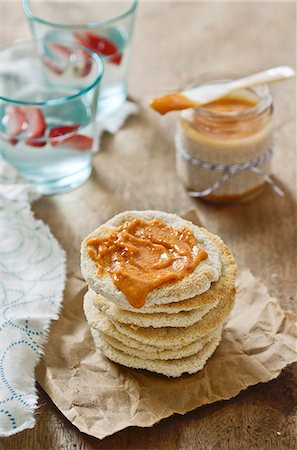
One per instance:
(174, 43)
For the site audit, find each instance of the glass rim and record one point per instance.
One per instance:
(29, 13)
(59, 100)
(262, 91)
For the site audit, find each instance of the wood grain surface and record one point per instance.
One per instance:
(174, 43)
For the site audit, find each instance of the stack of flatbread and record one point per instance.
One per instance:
(180, 325)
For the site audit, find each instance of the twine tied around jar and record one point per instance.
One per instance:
(228, 170)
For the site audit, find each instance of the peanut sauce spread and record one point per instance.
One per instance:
(141, 256)
(230, 104)
(233, 127)
(172, 102)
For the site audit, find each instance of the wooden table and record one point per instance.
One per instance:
(174, 42)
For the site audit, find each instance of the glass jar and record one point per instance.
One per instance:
(223, 149)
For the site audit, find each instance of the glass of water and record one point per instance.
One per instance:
(104, 27)
(47, 112)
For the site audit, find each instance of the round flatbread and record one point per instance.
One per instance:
(184, 313)
(165, 338)
(154, 352)
(190, 286)
(158, 320)
(170, 368)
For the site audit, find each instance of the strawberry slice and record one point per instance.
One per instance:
(82, 66)
(116, 59)
(12, 141)
(78, 142)
(84, 63)
(104, 47)
(58, 132)
(36, 122)
(35, 143)
(75, 142)
(36, 126)
(101, 45)
(61, 50)
(52, 66)
(16, 120)
(83, 40)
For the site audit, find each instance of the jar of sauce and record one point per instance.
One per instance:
(223, 149)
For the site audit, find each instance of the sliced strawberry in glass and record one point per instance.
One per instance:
(61, 50)
(116, 59)
(34, 143)
(99, 44)
(82, 39)
(56, 133)
(78, 142)
(53, 67)
(12, 141)
(60, 53)
(75, 142)
(83, 65)
(36, 126)
(36, 122)
(16, 120)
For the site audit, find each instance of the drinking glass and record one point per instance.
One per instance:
(105, 27)
(47, 112)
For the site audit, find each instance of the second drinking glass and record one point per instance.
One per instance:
(103, 27)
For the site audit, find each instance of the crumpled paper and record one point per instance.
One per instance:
(101, 397)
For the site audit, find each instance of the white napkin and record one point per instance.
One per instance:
(113, 121)
(31, 285)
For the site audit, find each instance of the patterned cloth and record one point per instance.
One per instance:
(31, 284)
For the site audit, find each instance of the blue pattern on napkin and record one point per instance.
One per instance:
(32, 266)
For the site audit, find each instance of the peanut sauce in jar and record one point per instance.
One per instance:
(234, 130)
(141, 256)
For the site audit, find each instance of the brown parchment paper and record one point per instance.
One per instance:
(100, 397)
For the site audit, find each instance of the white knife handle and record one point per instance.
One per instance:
(267, 76)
